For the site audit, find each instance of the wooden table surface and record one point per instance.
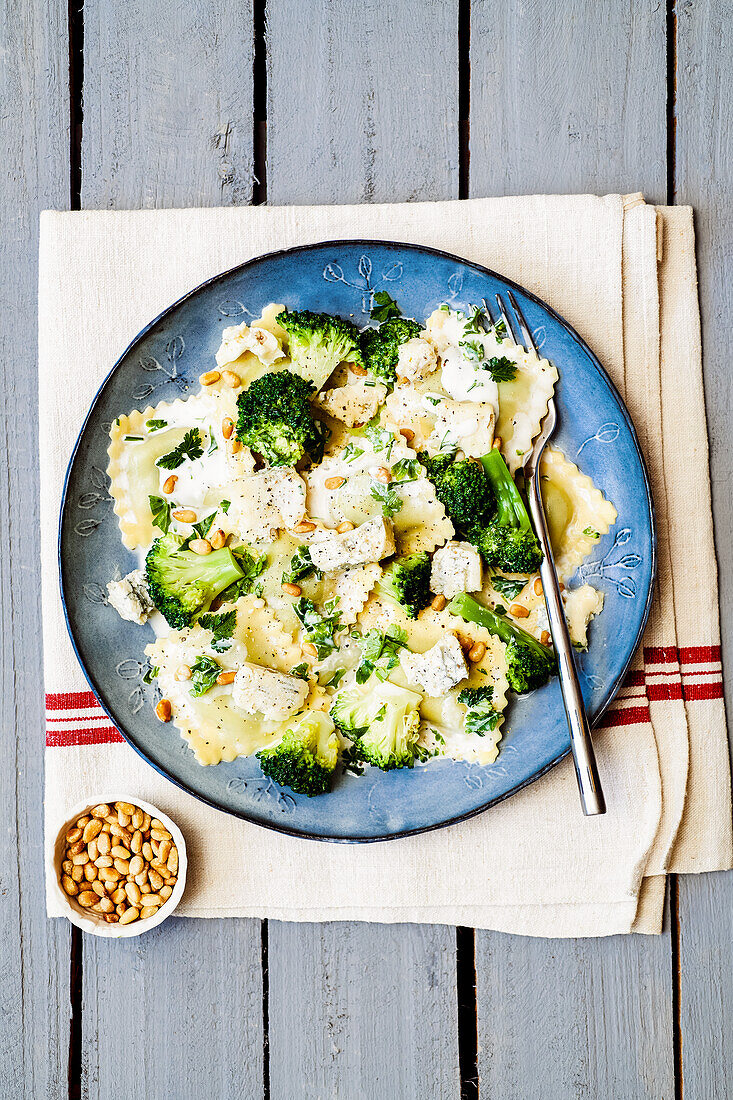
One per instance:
(137, 103)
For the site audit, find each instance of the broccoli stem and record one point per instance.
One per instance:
(474, 612)
(511, 511)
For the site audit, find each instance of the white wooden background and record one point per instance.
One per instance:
(145, 103)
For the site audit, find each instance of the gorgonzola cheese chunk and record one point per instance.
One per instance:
(456, 568)
(468, 425)
(417, 358)
(237, 339)
(130, 597)
(370, 542)
(265, 502)
(274, 695)
(438, 670)
(353, 404)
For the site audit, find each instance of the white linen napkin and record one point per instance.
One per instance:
(623, 273)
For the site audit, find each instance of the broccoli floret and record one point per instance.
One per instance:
(318, 342)
(481, 717)
(183, 584)
(506, 542)
(382, 720)
(306, 757)
(276, 420)
(529, 664)
(407, 580)
(462, 488)
(380, 347)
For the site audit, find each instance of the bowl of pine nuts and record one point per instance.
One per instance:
(119, 867)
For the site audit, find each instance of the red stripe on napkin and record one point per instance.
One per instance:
(83, 735)
(65, 726)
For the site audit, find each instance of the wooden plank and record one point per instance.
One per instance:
(362, 1010)
(34, 952)
(167, 104)
(367, 112)
(580, 1018)
(168, 122)
(571, 98)
(362, 101)
(176, 1013)
(568, 98)
(704, 177)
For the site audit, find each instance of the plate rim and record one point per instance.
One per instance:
(366, 242)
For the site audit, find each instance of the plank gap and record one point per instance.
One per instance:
(674, 917)
(259, 97)
(467, 1012)
(76, 967)
(671, 102)
(464, 96)
(76, 99)
(265, 1011)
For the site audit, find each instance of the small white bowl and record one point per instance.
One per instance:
(91, 922)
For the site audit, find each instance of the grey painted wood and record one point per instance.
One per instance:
(362, 1012)
(704, 178)
(568, 98)
(360, 109)
(168, 122)
(575, 1018)
(167, 103)
(176, 1013)
(571, 98)
(362, 101)
(34, 952)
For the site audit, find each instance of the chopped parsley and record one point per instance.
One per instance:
(474, 321)
(318, 628)
(161, 512)
(190, 447)
(481, 718)
(507, 587)
(380, 653)
(406, 469)
(204, 672)
(213, 445)
(224, 506)
(351, 452)
(501, 369)
(134, 438)
(593, 534)
(473, 350)
(155, 425)
(390, 500)
(301, 566)
(222, 627)
(150, 674)
(252, 564)
(204, 526)
(300, 671)
(384, 307)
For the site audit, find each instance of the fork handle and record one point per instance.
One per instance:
(589, 784)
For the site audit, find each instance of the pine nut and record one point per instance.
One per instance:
(69, 886)
(147, 850)
(129, 915)
(103, 861)
(545, 637)
(111, 918)
(209, 377)
(124, 819)
(93, 850)
(156, 880)
(173, 861)
(164, 850)
(169, 484)
(200, 546)
(153, 899)
(234, 446)
(496, 445)
(76, 848)
(184, 515)
(77, 873)
(137, 864)
(102, 810)
(358, 370)
(120, 908)
(142, 880)
(310, 649)
(125, 808)
(132, 892)
(148, 911)
(538, 586)
(80, 859)
(137, 818)
(92, 830)
(518, 611)
(146, 823)
(99, 888)
(109, 874)
(225, 678)
(465, 643)
(304, 527)
(561, 586)
(66, 866)
(73, 835)
(218, 539)
(231, 378)
(334, 482)
(183, 672)
(160, 833)
(166, 892)
(123, 866)
(137, 842)
(163, 710)
(291, 589)
(438, 603)
(81, 821)
(227, 427)
(87, 898)
(408, 434)
(90, 872)
(384, 475)
(344, 527)
(476, 652)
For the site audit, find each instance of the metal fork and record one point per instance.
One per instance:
(589, 784)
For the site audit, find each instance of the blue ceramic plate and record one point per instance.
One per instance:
(165, 361)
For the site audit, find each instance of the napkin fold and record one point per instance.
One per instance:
(623, 273)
